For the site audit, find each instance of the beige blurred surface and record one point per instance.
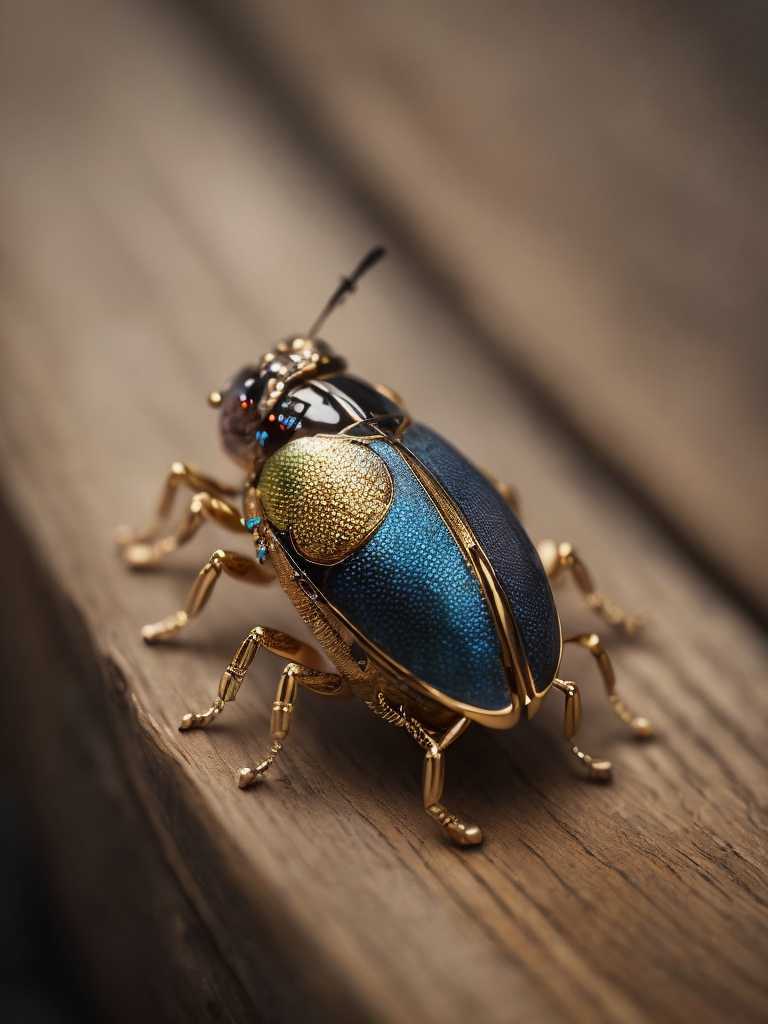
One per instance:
(162, 224)
(590, 181)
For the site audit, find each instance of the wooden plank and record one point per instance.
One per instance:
(160, 228)
(591, 188)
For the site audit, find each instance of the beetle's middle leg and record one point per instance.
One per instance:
(282, 711)
(305, 669)
(557, 558)
(272, 640)
(230, 562)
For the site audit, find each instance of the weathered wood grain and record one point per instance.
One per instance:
(590, 185)
(159, 228)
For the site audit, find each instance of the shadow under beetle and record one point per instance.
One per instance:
(409, 565)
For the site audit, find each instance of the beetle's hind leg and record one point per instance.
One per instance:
(558, 558)
(591, 641)
(598, 770)
(232, 563)
(211, 501)
(464, 833)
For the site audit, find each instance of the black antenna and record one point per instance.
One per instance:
(347, 286)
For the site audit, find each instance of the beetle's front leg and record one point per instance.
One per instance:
(232, 563)
(142, 555)
(557, 558)
(143, 550)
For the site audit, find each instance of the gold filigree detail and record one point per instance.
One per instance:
(400, 718)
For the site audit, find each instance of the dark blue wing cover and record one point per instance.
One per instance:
(511, 552)
(410, 592)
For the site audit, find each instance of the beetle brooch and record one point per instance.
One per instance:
(409, 565)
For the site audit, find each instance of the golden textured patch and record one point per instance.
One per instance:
(332, 493)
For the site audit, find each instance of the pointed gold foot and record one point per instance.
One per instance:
(199, 719)
(124, 535)
(463, 833)
(140, 555)
(642, 728)
(250, 776)
(598, 769)
(156, 632)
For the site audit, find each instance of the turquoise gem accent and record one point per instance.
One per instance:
(251, 524)
(261, 552)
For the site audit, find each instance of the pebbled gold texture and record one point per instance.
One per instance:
(332, 493)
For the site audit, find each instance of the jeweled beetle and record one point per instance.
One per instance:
(409, 564)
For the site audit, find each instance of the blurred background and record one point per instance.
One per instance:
(587, 182)
(582, 188)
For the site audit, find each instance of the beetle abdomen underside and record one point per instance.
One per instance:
(511, 552)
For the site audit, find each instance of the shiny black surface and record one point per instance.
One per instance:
(321, 407)
(238, 416)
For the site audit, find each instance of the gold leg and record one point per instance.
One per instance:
(143, 555)
(280, 724)
(559, 557)
(179, 475)
(591, 641)
(261, 636)
(230, 562)
(143, 550)
(464, 833)
(296, 672)
(598, 770)
(282, 711)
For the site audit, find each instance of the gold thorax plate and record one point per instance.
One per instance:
(331, 493)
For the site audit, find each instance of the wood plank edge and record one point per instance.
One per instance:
(122, 833)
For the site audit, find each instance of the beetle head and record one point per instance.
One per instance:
(248, 400)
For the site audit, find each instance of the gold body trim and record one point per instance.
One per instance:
(508, 632)
(383, 673)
